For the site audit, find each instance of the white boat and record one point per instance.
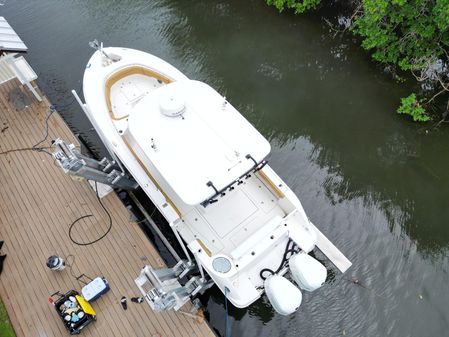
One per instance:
(203, 165)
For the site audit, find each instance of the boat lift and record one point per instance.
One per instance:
(161, 287)
(163, 291)
(104, 171)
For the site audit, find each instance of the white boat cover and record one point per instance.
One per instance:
(193, 137)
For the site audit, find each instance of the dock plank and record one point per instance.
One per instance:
(37, 205)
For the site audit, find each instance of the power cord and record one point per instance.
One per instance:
(87, 216)
(40, 149)
(61, 107)
(70, 267)
(35, 146)
(71, 264)
(53, 108)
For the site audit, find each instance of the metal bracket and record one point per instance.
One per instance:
(163, 291)
(104, 171)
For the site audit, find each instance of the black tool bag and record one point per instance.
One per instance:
(74, 327)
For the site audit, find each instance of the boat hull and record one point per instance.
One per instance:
(247, 230)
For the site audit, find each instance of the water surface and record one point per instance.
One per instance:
(372, 181)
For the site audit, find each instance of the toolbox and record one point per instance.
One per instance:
(75, 312)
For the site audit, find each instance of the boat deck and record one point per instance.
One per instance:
(37, 204)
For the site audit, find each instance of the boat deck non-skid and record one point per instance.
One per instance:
(38, 202)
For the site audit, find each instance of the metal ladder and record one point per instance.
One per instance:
(163, 291)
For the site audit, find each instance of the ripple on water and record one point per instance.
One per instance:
(336, 140)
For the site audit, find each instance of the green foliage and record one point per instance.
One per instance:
(6, 329)
(412, 107)
(299, 6)
(406, 33)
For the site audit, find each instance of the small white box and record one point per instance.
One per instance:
(94, 289)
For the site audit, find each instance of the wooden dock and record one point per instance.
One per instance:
(38, 202)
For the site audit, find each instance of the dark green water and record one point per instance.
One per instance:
(375, 183)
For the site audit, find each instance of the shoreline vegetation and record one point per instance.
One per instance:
(405, 36)
(6, 329)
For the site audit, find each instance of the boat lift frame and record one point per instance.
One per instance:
(161, 287)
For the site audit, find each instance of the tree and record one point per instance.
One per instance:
(299, 6)
(412, 35)
(406, 35)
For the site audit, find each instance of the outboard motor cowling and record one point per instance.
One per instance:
(307, 272)
(283, 295)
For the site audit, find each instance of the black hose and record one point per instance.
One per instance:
(293, 249)
(87, 216)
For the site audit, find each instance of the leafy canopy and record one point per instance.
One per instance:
(412, 107)
(409, 34)
(299, 6)
(406, 33)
